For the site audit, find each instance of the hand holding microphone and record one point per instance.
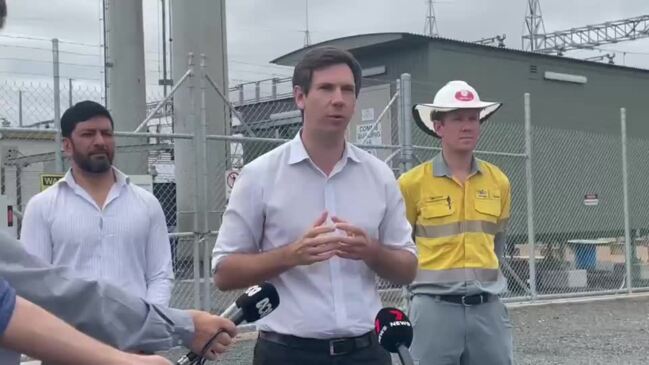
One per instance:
(256, 302)
(394, 332)
(205, 326)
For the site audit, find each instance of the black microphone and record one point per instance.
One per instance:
(255, 303)
(394, 331)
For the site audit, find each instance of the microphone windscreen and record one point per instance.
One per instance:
(393, 328)
(258, 301)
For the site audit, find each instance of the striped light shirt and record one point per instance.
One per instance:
(125, 242)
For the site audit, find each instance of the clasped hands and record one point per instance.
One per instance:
(321, 242)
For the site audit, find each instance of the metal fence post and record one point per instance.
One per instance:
(20, 108)
(70, 96)
(197, 236)
(19, 195)
(402, 130)
(207, 272)
(530, 195)
(201, 173)
(625, 186)
(196, 270)
(406, 102)
(57, 105)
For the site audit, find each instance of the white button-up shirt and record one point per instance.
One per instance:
(278, 197)
(125, 243)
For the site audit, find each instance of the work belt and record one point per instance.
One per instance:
(467, 300)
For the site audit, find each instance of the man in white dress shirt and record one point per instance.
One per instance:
(94, 220)
(318, 218)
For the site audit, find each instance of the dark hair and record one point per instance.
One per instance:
(81, 112)
(437, 115)
(3, 12)
(322, 57)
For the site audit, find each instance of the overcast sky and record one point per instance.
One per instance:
(261, 30)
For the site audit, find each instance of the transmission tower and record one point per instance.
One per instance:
(590, 36)
(307, 34)
(430, 28)
(534, 25)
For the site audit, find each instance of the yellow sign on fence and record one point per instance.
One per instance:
(48, 180)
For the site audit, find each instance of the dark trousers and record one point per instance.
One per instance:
(272, 353)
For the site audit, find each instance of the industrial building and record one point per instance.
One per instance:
(575, 104)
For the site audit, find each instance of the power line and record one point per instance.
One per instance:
(48, 62)
(64, 51)
(46, 75)
(620, 51)
(260, 73)
(49, 50)
(269, 65)
(287, 70)
(34, 38)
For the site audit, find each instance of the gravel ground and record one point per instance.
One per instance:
(611, 332)
(605, 332)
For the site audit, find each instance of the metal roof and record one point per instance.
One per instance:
(359, 42)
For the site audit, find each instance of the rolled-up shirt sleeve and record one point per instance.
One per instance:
(242, 226)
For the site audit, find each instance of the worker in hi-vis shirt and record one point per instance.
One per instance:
(458, 206)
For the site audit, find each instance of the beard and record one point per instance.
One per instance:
(95, 163)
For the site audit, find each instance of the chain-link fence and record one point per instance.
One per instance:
(577, 225)
(577, 179)
(31, 105)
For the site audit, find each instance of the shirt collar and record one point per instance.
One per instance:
(440, 168)
(298, 152)
(121, 178)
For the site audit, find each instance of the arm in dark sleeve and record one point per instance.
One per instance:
(100, 310)
(7, 304)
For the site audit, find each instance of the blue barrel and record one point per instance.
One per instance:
(585, 256)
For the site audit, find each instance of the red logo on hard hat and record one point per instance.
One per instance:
(464, 95)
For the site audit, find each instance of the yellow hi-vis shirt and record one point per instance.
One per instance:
(458, 228)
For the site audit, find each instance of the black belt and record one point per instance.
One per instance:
(467, 299)
(333, 346)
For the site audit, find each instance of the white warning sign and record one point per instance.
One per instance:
(591, 199)
(367, 115)
(230, 177)
(374, 134)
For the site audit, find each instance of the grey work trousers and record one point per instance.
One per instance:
(456, 334)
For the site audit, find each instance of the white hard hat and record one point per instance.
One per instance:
(454, 95)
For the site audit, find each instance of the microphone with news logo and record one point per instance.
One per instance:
(255, 303)
(394, 331)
